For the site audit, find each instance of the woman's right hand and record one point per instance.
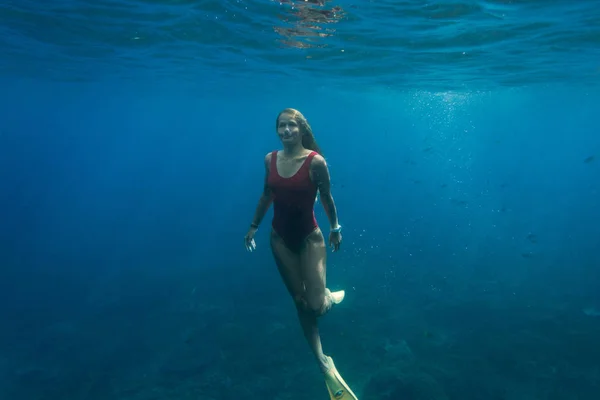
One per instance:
(249, 239)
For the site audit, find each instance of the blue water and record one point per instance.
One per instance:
(463, 145)
(432, 45)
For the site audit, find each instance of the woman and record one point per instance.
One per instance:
(293, 177)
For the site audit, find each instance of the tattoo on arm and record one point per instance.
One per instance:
(323, 182)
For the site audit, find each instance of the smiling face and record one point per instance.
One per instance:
(288, 129)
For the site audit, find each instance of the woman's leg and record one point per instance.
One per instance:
(289, 265)
(313, 269)
(318, 298)
(304, 276)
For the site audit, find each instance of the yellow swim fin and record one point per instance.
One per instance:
(336, 386)
(337, 297)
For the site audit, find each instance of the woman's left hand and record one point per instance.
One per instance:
(335, 239)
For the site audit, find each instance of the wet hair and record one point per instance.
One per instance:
(308, 138)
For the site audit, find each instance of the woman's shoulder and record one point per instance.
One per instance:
(268, 157)
(317, 160)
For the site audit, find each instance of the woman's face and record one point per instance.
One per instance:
(288, 129)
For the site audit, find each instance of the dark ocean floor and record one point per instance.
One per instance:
(184, 340)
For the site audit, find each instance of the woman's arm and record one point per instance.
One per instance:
(320, 175)
(265, 199)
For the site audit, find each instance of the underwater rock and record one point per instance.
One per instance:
(392, 384)
(398, 352)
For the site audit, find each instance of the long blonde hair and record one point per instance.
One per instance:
(308, 138)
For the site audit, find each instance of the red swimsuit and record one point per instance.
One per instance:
(293, 203)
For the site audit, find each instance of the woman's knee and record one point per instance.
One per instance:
(310, 305)
(301, 303)
(316, 303)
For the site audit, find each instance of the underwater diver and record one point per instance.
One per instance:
(293, 177)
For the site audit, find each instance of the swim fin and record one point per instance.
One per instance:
(336, 386)
(337, 297)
